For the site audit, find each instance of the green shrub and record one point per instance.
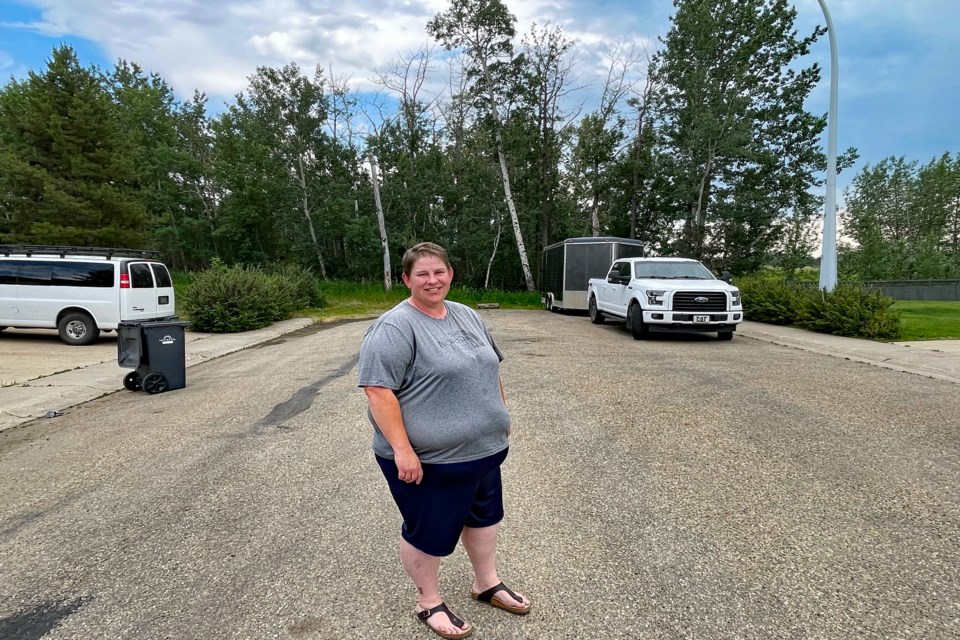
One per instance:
(768, 300)
(304, 288)
(230, 299)
(850, 310)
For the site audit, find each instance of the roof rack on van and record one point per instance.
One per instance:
(64, 250)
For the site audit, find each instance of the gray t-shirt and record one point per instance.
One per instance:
(446, 375)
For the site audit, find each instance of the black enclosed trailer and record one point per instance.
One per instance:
(567, 266)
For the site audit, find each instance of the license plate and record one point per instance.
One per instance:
(701, 318)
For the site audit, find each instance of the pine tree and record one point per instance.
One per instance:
(64, 169)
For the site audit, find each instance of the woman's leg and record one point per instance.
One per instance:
(424, 570)
(481, 546)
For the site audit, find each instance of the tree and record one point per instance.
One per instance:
(484, 29)
(291, 188)
(194, 236)
(937, 203)
(904, 220)
(601, 133)
(546, 80)
(740, 150)
(406, 147)
(159, 131)
(66, 174)
(381, 224)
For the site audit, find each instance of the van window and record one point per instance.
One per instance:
(162, 275)
(82, 274)
(140, 277)
(35, 273)
(8, 271)
(46, 273)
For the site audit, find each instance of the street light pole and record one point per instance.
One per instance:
(828, 254)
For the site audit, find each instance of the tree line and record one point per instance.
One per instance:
(702, 149)
(904, 221)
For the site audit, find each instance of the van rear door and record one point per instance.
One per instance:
(139, 300)
(165, 296)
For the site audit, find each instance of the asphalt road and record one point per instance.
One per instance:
(679, 487)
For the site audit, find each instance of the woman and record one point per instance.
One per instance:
(431, 373)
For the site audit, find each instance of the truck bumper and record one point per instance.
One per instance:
(706, 322)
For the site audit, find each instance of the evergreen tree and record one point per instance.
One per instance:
(65, 171)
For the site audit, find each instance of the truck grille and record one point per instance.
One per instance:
(694, 301)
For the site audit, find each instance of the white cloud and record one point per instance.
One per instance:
(213, 45)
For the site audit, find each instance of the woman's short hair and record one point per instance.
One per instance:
(420, 250)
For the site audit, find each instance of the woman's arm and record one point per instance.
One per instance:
(503, 396)
(386, 413)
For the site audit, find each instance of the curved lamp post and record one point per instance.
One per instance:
(828, 254)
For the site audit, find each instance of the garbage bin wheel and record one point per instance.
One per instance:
(132, 381)
(155, 383)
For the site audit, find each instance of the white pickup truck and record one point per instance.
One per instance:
(665, 294)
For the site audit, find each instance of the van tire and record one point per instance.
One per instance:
(77, 328)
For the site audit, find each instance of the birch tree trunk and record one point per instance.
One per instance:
(507, 193)
(595, 209)
(387, 275)
(496, 243)
(302, 178)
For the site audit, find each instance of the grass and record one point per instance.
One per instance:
(921, 320)
(347, 300)
(929, 320)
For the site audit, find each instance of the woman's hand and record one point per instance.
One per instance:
(408, 465)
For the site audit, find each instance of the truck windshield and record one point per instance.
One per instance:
(672, 270)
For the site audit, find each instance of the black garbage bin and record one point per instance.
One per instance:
(156, 351)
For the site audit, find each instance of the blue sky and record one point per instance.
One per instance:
(899, 60)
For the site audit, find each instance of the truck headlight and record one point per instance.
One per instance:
(655, 297)
(735, 298)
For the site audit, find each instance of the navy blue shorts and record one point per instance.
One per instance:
(450, 497)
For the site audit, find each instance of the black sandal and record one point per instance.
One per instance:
(425, 615)
(488, 597)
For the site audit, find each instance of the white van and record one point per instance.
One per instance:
(81, 291)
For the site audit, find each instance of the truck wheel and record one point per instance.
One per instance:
(725, 335)
(77, 329)
(595, 316)
(635, 321)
